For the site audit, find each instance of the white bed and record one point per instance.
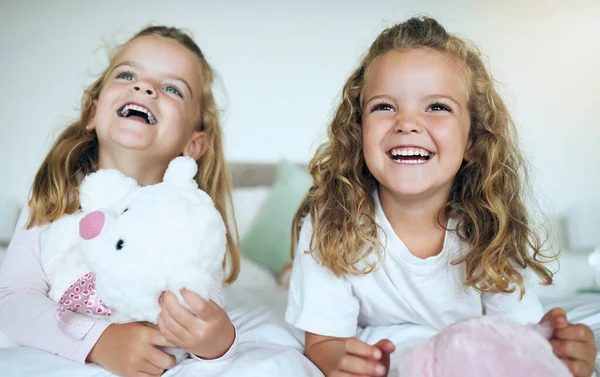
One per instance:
(256, 304)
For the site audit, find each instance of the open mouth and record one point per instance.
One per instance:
(138, 113)
(410, 155)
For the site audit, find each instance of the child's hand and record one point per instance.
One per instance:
(130, 350)
(362, 359)
(206, 331)
(573, 344)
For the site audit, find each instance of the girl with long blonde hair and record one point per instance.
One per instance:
(153, 102)
(417, 214)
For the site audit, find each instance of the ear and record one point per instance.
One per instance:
(92, 124)
(467, 155)
(196, 146)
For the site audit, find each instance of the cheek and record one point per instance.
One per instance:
(373, 134)
(181, 116)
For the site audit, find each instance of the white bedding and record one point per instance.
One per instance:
(267, 345)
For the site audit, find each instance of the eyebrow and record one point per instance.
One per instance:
(171, 77)
(446, 96)
(388, 97)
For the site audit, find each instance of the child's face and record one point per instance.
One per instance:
(415, 122)
(150, 101)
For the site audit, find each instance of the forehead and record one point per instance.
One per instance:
(422, 70)
(162, 56)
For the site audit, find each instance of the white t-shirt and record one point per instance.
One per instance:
(403, 290)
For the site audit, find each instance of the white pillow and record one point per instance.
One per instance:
(254, 276)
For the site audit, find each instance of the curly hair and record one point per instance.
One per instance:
(487, 196)
(74, 154)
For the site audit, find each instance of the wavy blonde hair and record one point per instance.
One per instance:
(74, 154)
(486, 197)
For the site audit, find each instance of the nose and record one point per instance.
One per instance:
(407, 123)
(90, 226)
(145, 88)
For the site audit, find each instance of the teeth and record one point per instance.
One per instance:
(410, 152)
(127, 108)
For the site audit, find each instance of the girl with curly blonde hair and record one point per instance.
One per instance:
(417, 215)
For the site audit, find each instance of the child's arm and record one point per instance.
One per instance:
(326, 308)
(27, 315)
(348, 356)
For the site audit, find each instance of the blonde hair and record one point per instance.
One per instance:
(486, 197)
(74, 154)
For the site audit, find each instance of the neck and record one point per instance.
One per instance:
(134, 164)
(414, 214)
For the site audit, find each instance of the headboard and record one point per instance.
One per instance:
(245, 175)
(254, 174)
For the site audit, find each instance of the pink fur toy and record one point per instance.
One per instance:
(486, 346)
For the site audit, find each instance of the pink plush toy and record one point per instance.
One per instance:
(486, 346)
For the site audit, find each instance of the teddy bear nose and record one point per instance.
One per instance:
(90, 226)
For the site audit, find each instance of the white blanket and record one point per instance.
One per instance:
(267, 345)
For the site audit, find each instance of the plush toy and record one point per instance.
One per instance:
(486, 346)
(132, 243)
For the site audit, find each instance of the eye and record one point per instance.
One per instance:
(126, 76)
(120, 244)
(382, 106)
(439, 107)
(126, 209)
(173, 90)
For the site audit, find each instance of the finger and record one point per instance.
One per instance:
(201, 308)
(150, 324)
(150, 369)
(168, 334)
(339, 373)
(570, 349)
(385, 346)
(359, 348)
(361, 365)
(579, 368)
(159, 359)
(579, 332)
(555, 318)
(144, 374)
(178, 312)
(171, 326)
(155, 338)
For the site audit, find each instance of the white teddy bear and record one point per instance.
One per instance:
(134, 243)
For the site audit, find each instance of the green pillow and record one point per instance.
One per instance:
(268, 240)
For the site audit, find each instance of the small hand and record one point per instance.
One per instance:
(362, 359)
(206, 330)
(130, 350)
(574, 344)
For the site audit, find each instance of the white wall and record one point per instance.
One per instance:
(284, 63)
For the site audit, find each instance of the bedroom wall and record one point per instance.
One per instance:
(284, 63)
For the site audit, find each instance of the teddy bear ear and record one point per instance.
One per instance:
(104, 188)
(181, 172)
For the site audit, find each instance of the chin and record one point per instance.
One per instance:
(407, 189)
(131, 140)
